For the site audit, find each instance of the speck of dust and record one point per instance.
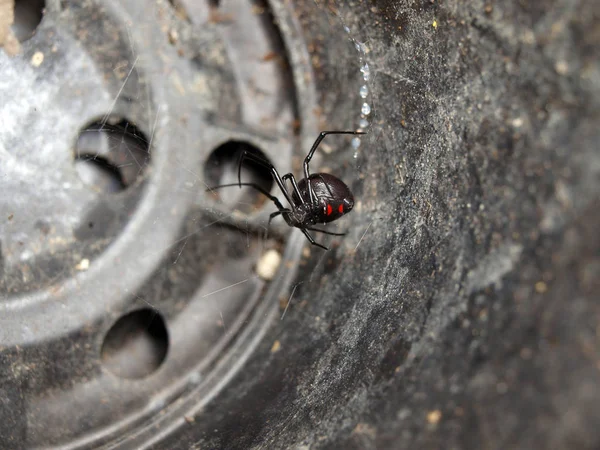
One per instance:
(37, 59)
(433, 417)
(276, 347)
(83, 265)
(541, 287)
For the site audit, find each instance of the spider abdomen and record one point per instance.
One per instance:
(333, 197)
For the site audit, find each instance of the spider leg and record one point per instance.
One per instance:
(311, 240)
(257, 159)
(325, 232)
(276, 213)
(274, 199)
(272, 216)
(292, 178)
(312, 151)
(280, 207)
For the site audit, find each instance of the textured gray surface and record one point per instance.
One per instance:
(460, 311)
(468, 315)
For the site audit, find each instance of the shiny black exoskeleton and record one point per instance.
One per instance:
(333, 197)
(316, 198)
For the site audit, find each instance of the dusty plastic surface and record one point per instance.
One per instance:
(460, 311)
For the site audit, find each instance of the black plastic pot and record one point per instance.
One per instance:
(460, 310)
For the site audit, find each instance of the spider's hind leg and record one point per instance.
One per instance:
(325, 232)
(266, 164)
(311, 240)
(274, 199)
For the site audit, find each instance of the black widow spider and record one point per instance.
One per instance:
(316, 198)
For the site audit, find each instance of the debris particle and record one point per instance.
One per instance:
(189, 419)
(173, 36)
(269, 56)
(433, 417)
(37, 59)
(217, 17)
(10, 216)
(517, 123)
(434, 24)
(276, 347)
(541, 287)
(365, 429)
(268, 264)
(561, 67)
(83, 265)
(282, 302)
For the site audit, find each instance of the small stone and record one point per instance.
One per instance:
(268, 264)
(276, 347)
(173, 36)
(517, 123)
(561, 67)
(541, 287)
(433, 417)
(37, 59)
(83, 265)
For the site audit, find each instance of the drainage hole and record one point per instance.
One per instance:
(111, 157)
(27, 16)
(222, 168)
(136, 345)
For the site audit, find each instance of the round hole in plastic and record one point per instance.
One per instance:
(136, 345)
(110, 157)
(222, 168)
(27, 16)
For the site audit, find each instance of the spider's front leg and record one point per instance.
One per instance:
(274, 199)
(313, 149)
(290, 176)
(266, 164)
